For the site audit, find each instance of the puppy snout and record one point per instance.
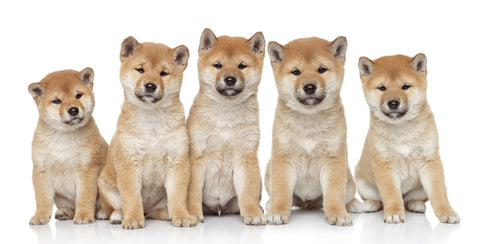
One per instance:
(393, 105)
(310, 89)
(73, 111)
(150, 87)
(230, 80)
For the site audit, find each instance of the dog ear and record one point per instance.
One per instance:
(276, 52)
(181, 55)
(86, 76)
(207, 41)
(338, 48)
(37, 90)
(257, 44)
(366, 67)
(419, 63)
(129, 46)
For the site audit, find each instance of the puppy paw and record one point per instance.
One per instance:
(394, 218)
(340, 219)
(116, 217)
(450, 217)
(83, 219)
(101, 215)
(416, 206)
(39, 220)
(255, 220)
(355, 206)
(184, 221)
(199, 218)
(277, 219)
(133, 223)
(64, 214)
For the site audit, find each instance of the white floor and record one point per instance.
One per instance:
(304, 227)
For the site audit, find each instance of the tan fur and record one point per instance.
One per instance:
(68, 151)
(400, 164)
(309, 165)
(148, 170)
(224, 130)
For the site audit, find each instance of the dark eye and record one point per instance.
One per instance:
(242, 66)
(140, 70)
(218, 65)
(382, 88)
(56, 101)
(163, 73)
(322, 69)
(79, 95)
(296, 72)
(405, 87)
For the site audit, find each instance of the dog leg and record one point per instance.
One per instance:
(248, 185)
(195, 190)
(65, 208)
(389, 188)
(333, 178)
(433, 181)
(44, 194)
(178, 178)
(87, 185)
(282, 179)
(129, 186)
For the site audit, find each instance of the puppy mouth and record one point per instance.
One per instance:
(311, 100)
(74, 121)
(394, 114)
(148, 98)
(229, 92)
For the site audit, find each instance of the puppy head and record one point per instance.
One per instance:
(309, 72)
(151, 72)
(230, 68)
(65, 98)
(395, 87)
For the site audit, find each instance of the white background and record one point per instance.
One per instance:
(39, 37)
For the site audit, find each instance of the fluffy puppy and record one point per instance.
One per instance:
(147, 171)
(224, 130)
(400, 164)
(309, 167)
(68, 151)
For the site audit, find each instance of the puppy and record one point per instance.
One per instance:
(309, 167)
(400, 164)
(224, 130)
(147, 170)
(68, 151)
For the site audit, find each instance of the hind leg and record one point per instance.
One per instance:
(110, 201)
(415, 200)
(370, 194)
(65, 208)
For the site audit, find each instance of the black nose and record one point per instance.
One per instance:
(73, 111)
(150, 87)
(309, 89)
(230, 80)
(393, 105)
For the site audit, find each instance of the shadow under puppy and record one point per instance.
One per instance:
(224, 130)
(400, 164)
(309, 167)
(148, 171)
(68, 151)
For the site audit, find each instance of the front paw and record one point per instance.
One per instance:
(342, 219)
(394, 218)
(255, 220)
(39, 220)
(448, 217)
(83, 219)
(277, 216)
(184, 221)
(133, 223)
(64, 214)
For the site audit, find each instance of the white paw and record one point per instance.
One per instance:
(451, 218)
(101, 214)
(355, 207)
(277, 219)
(416, 206)
(116, 218)
(393, 218)
(371, 206)
(255, 220)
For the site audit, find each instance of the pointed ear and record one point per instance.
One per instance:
(338, 48)
(419, 63)
(276, 52)
(257, 44)
(366, 67)
(86, 76)
(37, 90)
(181, 55)
(207, 41)
(129, 46)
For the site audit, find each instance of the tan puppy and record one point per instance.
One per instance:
(68, 151)
(400, 162)
(148, 170)
(224, 130)
(309, 148)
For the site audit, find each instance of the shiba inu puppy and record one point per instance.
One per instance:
(309, 165)
(224, 130)
(148, 171)
(400, 165)
(68, 151)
